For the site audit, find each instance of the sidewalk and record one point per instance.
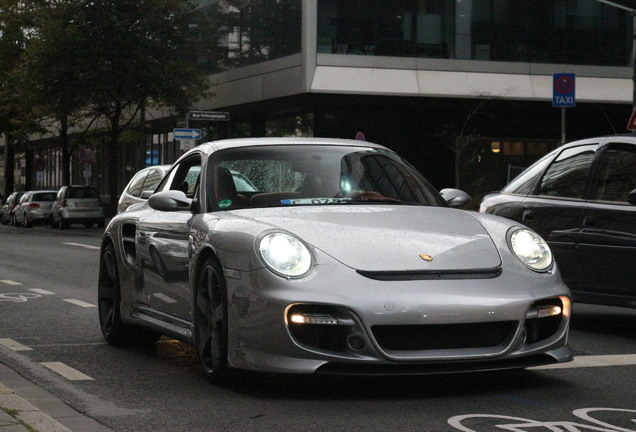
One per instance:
(17, 415)
(26, 407)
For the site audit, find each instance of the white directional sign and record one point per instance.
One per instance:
(209, 115)
(190, 134)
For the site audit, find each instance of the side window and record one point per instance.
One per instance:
(524, 183)
(183, 177)
(135, 185)
(617, 174)
(152, 180)
(567, 175)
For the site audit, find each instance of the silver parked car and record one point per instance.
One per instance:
(141, 186)
(77, 205)
(34, 207)
(344, 259)
(6, 217)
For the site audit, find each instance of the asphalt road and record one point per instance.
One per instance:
(49, 334)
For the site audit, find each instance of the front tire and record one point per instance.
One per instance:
(61, 223)
(211, 321)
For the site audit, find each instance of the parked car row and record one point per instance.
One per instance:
(60, 208)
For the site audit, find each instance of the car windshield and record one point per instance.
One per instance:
(293, 175)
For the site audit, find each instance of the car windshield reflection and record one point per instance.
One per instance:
(300, 175)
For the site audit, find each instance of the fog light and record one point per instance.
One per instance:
(356, 342)
(548, 311)
(313, 319)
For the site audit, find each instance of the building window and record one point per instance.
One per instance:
(489, 30)
(234, 34)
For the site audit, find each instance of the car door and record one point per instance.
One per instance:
(554, 209)
(163, 245)
(608, 235)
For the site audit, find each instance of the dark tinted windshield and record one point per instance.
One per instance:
(289, 175)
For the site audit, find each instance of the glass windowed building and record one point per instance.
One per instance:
(462, 85)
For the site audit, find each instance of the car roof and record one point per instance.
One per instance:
(212, 146)
(630, 138)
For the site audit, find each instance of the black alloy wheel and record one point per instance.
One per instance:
(109, 297)
(211, 321)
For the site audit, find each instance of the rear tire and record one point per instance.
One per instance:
(109, 305)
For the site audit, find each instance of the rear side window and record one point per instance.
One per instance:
(135, 185)
(567, 175)
(153, 179)
(617, 175)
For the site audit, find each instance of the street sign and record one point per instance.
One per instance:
(563, 90)
(631, 125)
(209, 115)
(182, 134)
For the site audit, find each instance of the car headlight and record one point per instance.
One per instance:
(285, 255)
(531, 249)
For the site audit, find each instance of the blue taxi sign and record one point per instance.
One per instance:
(563, 90)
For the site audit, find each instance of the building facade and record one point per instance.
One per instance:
(435, 80)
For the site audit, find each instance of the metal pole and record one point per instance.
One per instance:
(562, 125)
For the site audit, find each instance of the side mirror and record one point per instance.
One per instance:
(631, 198)
(455, 198)
(172, 200)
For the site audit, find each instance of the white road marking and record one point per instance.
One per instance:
(80, 303)
(14, 345)
(85, 246)
(594, 361)
(10, 282)
(41, 291)
(67, 371)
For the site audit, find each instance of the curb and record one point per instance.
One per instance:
(23, 413)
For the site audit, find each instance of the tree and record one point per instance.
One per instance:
(15, 23)
(51, 89)
(107, 59)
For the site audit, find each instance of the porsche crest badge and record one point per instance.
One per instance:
(426, 257)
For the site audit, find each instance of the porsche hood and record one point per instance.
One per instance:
(389, 238)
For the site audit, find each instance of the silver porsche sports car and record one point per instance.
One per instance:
(339, 258)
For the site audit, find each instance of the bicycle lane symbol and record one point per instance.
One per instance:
(518, 424)
(17, 297)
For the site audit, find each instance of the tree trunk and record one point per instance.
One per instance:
(112, 158)
(66, 154)
(9, 162)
